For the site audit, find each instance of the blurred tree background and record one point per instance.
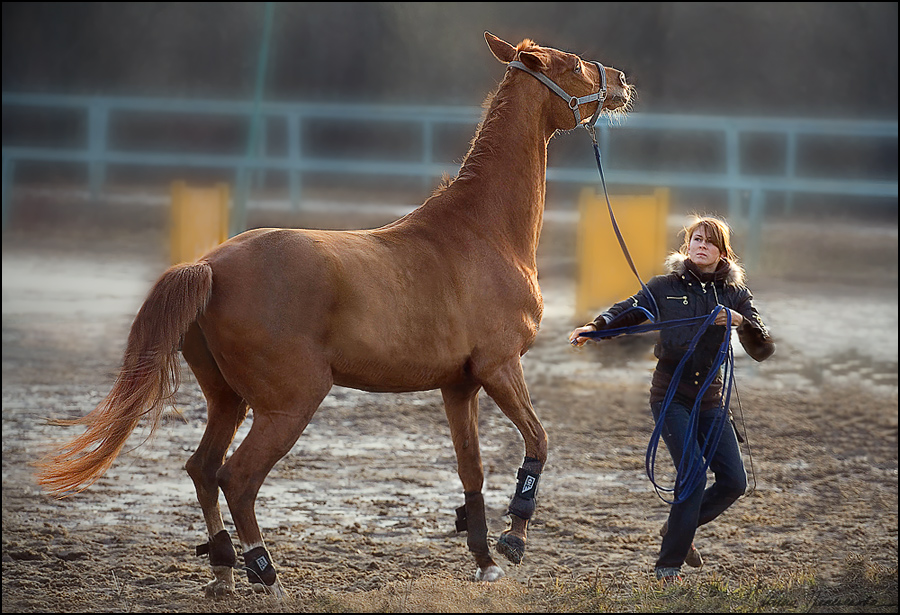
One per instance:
(780, 59)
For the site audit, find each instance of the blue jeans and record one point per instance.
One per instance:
(702, 505)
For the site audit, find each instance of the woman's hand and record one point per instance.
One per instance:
(722, 317)
(574, 336)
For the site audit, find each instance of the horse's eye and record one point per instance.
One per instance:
(578, 67)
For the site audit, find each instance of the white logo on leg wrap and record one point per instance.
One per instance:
(529, 484)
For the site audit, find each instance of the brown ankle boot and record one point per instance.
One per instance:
(693, 557)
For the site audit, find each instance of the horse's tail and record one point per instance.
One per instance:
(146, 383)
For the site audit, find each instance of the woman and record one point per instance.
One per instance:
(703, 274)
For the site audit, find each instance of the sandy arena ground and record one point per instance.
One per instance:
(365, 500)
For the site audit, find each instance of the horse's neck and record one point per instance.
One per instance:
(501, 185)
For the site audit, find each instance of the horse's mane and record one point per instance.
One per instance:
(479, 146)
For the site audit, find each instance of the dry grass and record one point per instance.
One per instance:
(864, 587)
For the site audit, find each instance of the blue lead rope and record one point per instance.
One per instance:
(691, 471)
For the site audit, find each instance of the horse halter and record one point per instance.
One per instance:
(574, 102)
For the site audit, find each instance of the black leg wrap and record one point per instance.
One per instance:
(476, 523)
(258, 565)
(524, 502)
(220, 550)
(462, 523)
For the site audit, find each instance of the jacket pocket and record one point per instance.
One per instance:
(683, 299)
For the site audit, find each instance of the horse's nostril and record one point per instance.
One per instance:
(622, 81)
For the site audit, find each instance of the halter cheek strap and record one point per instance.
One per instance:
(573, 101)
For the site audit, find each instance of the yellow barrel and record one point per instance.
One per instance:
(199, 220)
(604, 276)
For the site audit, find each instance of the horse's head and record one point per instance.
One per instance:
(579, 84)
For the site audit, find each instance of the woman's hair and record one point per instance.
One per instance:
(717, 231)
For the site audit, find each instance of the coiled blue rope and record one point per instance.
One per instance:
(691, 470)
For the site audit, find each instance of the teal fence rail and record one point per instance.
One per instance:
(96, 148)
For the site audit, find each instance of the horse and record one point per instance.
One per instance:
(446, 297)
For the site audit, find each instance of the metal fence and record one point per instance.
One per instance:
(728, 173)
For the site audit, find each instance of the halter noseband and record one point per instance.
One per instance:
(574, 102)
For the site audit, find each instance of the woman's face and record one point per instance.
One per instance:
(702, 251)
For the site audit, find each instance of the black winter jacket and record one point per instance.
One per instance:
(685, 292)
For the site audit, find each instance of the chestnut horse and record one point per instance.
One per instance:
(445, 298)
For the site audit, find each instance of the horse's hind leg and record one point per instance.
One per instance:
(461, 405)
(506, 386)
(278, 422)
(225, 412)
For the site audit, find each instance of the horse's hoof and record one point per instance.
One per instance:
(216, 589)
(223, 584)
(511, 547)
(489, 574)
(275, 590)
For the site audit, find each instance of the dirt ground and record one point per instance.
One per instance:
(361, 512)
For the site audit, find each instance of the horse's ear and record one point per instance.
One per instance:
(535, 60)
(502, 50)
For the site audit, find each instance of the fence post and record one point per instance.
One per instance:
(295, 149)
(9, 168)
(790, 168)
(98, 121)
(242, 192)
(427, 150)
(754, 228)
(733, 169)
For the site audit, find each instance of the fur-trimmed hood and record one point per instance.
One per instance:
(728, 271)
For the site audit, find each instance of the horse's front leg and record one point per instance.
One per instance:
(461, 406)
(512, 541)
(506, 386)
